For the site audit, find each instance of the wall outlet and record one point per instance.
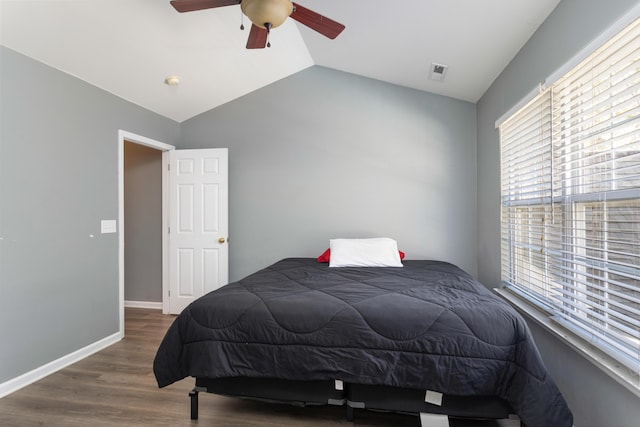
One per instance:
(108, 226)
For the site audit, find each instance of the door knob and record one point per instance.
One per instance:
(221, 240)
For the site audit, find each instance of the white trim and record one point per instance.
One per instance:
(30, 377)
(595, 44)
(152, 305)
(165, 232)
(148, 142)
(607, 364)
(519, 105)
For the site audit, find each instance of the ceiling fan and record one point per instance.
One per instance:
(265, 15)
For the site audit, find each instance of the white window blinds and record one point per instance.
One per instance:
(526, 194)
(570, 162)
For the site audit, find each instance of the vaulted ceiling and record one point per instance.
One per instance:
(129, 47)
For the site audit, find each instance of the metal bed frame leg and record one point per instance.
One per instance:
(350, 413)
(193, 394)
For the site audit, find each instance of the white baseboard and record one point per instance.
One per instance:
(143, 304)
(30, 377)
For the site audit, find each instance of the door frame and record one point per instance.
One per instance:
(124, 136)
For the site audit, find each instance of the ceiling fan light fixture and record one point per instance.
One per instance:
(265, 15)
(262, 12)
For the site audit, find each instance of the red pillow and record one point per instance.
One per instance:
(326, 255)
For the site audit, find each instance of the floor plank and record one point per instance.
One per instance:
(116, 387)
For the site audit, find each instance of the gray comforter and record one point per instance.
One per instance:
(428, 325)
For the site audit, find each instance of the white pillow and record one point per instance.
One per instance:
(376, 252)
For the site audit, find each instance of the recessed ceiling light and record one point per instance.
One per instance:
(172, 80)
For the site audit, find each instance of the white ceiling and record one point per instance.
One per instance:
(128, 47)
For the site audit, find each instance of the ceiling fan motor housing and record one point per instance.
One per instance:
(262, 12)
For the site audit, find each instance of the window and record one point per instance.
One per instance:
(570, 196)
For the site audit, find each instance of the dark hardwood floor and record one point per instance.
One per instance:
(116, 387)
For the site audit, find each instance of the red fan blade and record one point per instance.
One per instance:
(191, 5)
(257, 38)
(315, 21)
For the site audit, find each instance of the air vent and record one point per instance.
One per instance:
(438, 71)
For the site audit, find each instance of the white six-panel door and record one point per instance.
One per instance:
(198, 224)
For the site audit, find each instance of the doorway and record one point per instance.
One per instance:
(142, 150)
(142, 226)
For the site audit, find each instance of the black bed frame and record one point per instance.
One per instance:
(353, 396)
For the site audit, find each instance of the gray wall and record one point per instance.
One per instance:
(318, 155)
(58, 179)
(325, 154)
(595, 399)
(143, 223)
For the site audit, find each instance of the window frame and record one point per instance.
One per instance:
(541, 310)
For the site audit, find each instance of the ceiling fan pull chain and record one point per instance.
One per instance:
(268, 27)
(241, 20)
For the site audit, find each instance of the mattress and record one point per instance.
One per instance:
(427, 325)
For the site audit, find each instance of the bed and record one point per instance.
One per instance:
(423, 338)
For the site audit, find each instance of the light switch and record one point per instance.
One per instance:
(108, 226)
